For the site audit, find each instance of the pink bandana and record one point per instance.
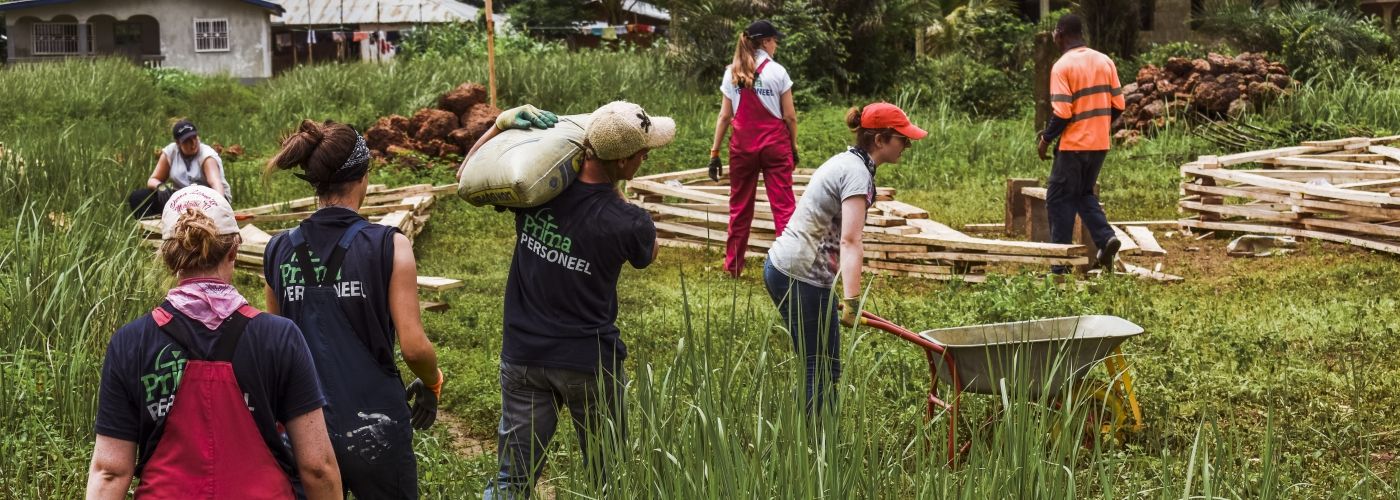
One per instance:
(207, 300)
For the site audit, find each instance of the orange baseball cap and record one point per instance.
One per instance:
(886, 115)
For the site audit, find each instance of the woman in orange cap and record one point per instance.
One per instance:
(823, 239)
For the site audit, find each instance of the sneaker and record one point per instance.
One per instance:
(1108, 252)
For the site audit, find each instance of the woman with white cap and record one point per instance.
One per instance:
(757, 102)
(194, 394)
(824, 239)
(183, 163)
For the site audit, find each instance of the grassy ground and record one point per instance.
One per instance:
(1259, 378)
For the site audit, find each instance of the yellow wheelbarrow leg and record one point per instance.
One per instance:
(1122, 378)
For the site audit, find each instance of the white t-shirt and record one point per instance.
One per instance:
(770, 85)
(808, 248)
(187, 173)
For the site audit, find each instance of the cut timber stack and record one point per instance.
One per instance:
(406, 208)
(1341, 191)
(691, 211)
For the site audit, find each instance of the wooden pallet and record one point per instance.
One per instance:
(406, 208)
(1341, 190)
(691, 211)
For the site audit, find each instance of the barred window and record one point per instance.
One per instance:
(59, 38)
(211, 35)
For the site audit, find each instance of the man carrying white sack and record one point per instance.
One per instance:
(561, 342)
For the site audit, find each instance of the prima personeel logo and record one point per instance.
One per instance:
(541, 227)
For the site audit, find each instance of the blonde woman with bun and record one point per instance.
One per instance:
(194, 394)
(824, 240)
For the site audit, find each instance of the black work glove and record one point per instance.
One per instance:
(716, 169)
(423, 404)
(794, 156)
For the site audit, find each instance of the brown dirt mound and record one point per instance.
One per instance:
(462, 98)
(462, 116)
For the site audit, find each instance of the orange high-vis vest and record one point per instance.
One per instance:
(1084, 89)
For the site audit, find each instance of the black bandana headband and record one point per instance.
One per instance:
(354, 167)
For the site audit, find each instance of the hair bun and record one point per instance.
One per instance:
(853, 118)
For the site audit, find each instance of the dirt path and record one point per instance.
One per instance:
(464, 444)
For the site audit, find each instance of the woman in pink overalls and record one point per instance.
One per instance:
(758, 103)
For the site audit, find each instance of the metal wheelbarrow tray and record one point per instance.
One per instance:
(1043, 355)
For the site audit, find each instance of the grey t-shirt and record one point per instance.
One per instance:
(187, 172)
(808, 248)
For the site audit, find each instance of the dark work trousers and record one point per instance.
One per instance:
(147, 202)
(531, 398)
(811, 318)
(1071, 192)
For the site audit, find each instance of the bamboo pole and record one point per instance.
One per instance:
(491, 51)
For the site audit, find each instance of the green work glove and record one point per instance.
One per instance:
(525, 117)
(423, 402)
(850, 312)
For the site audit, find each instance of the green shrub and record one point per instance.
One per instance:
(459, 40)
(1310, 40)
(967, 85)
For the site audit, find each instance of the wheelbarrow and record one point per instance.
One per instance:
(1039, 359)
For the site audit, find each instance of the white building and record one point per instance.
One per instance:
(347, 30)
(207, 36)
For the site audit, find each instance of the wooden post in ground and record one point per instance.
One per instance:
(1046, 53)
(1016, 205)
(491, 52)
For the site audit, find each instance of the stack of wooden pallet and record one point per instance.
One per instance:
(1342, 190)
(691, 211)
(406, 208)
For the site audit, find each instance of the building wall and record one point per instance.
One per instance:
(249, 54)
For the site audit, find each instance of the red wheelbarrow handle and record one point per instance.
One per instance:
(930, 349)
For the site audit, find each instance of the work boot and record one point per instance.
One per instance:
(1108, 252)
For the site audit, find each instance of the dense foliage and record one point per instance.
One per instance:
(1309, 39)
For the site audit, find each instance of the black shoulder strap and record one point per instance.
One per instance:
(302, 249)
(342, 246)
(230, 333)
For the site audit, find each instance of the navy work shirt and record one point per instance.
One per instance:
(363, 284)
(561, 296)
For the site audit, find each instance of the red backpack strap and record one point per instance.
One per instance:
(759, 69)
(161, 316)
(248, 311)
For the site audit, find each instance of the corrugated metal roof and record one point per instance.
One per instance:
(23, 4)
(344, 12)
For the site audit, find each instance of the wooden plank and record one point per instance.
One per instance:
(1376, 184)
(1361, 157)
(697, 173)
(708, 234)
(715, 209)
(1038, 193)
(936, 228)
(986, 228)
(1253, 156)
(1301, 202)
(433, 306)
(437, 284)
(1172, 222)
(969, 278)
(998, 246)
(662, 208)
(1289, 231)
(884, 221)
(1389, 152)
(1150, 274)
(1355, 227)
(906, 229)
(1331, 176)
(1337, 143)
(1126, 244)
(1293, 161)
(1297, 187)
(893, 247)
(1241, 211)
(1147, 243)
(682, 193)
(988, 257)
(913, 268)
(696, 245)
(901, 209)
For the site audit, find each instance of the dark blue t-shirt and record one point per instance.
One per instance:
(561, 296)
(363, 284)
(143, 368)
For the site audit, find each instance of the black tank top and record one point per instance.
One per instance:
(363, 284)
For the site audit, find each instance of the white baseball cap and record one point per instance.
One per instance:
(620, 129)
(207, 201)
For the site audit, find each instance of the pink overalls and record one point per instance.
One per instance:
(761, 143)
(209, 446)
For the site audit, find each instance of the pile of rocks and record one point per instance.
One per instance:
(460, 118)
(1217, 86)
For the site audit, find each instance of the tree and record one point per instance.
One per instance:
(536, 13)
